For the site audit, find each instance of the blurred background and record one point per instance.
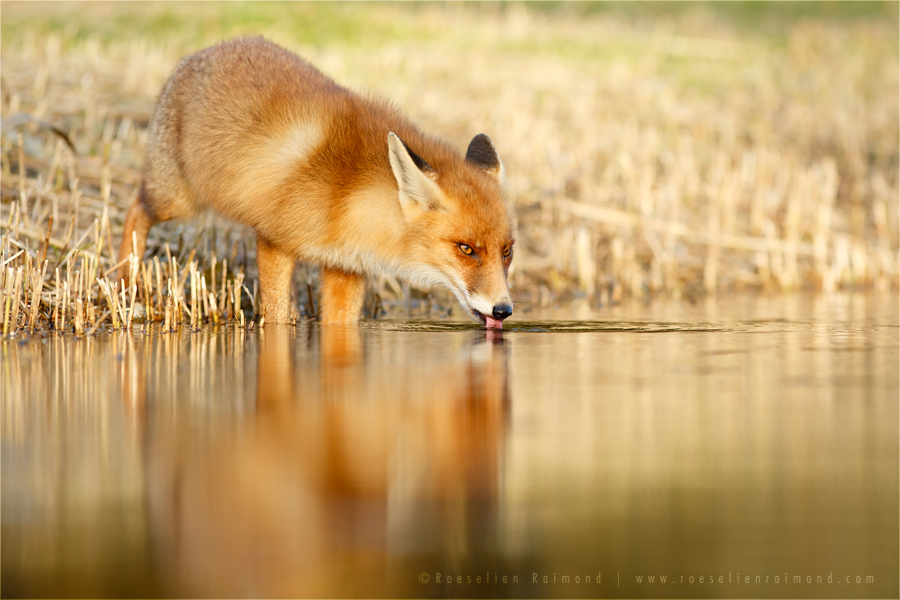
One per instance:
(673, 149)
(692, 151)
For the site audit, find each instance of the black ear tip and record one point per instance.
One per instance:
(483, 140)
(481, 152)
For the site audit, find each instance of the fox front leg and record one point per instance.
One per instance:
(342, 297)
(275, 270)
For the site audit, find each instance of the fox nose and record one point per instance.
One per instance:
(501, 311)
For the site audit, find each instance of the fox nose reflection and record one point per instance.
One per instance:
(349, 451)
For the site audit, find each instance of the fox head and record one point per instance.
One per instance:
(460, 229)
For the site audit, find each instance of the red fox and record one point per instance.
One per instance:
(326, 176)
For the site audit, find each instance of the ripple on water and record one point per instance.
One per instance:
(550, 326)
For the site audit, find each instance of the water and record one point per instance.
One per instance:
(744, 437)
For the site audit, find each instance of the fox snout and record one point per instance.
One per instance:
(492, 314)
(494, 318)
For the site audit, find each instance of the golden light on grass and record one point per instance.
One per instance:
(672, 157)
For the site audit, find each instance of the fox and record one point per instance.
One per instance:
(324, 175)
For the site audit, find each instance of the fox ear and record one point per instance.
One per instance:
(415, 178)
(483, 154)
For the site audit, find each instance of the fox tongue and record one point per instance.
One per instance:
(493, 323)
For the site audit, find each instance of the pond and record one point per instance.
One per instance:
(745, 446)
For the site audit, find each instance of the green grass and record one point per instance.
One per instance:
(354, 24)
(749, 14)
(195, 24)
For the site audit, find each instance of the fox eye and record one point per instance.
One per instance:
(467, 250)
(507, 252)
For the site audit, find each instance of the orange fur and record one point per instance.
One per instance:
(258, 134)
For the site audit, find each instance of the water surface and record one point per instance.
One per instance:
(575, 454)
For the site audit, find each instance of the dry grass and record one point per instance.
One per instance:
(672, 156)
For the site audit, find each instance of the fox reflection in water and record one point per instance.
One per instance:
(340, 463)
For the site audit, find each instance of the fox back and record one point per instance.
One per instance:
(326, 176)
